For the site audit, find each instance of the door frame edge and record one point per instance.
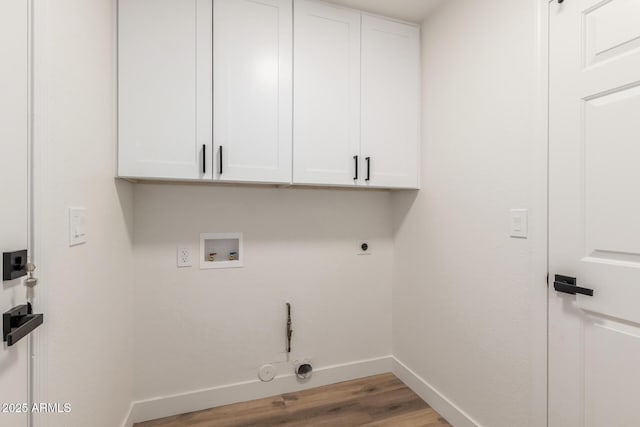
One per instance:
(38, 31)
(540, 223)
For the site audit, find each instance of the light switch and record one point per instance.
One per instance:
(519, 223)
(77, 226)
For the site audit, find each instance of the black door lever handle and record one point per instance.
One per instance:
(568, 285)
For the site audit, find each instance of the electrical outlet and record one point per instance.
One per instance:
(364, 247)
(184, 257)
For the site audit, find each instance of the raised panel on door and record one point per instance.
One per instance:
(594, 341)
(165, 89)
(326, 131)
(253, 90)
(390, 102)
(14, 126)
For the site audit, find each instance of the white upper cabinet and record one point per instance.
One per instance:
(165, 89)
(206, 92)
(253, 90)
(390, 103)
(327, 94)
(356, 98)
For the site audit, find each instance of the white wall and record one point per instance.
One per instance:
(469, 302)
(198, 329)
(466, 298)
(86, 290)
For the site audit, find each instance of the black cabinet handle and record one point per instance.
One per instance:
(204, 159)
(368, 159)
(355, 158)
(220, 161)
(567, 285)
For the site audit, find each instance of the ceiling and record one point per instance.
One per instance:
(407, 10)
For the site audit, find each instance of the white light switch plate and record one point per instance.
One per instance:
(519, 223)
(77, 226)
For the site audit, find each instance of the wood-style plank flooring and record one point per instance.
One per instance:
(378, 401)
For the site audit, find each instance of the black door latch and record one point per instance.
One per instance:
(14, 264)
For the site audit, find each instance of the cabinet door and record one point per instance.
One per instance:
(390, 102)
(253, 90)
(327, 94)
(165, 89)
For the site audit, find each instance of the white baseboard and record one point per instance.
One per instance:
(167, 406)
(433, 397)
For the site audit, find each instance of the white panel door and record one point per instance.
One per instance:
(14, 85)
(390, 103)
(253, 90)
(594, 222)
(326, 131)
(165, 89)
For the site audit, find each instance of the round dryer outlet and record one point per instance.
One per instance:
(267, 373)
